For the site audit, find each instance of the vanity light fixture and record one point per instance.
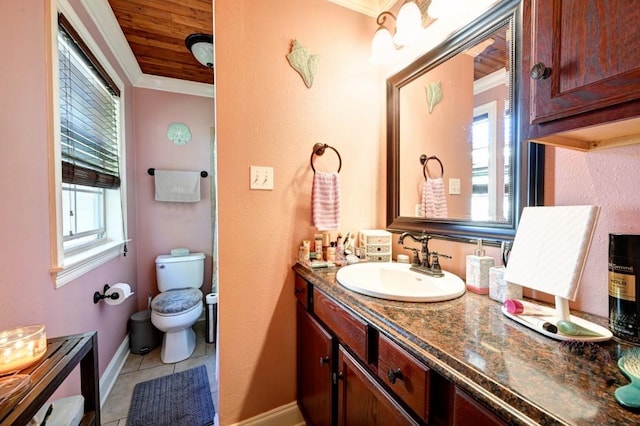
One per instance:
(408, 28)
(201, 47)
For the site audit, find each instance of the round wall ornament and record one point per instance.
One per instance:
(179, 133)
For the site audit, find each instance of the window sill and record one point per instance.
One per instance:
(79, 264)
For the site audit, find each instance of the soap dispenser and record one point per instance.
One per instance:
(478, 265)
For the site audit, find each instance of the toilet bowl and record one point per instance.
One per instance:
(179, 304)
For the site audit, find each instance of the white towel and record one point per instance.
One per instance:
(434, 201)
(325, 201)
(177, 186)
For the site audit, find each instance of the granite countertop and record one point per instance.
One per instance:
(524, 376)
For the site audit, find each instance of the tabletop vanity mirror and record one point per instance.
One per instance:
(456, 165)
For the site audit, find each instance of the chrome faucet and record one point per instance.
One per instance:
(424, 239)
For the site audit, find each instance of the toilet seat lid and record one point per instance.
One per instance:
(176, 301)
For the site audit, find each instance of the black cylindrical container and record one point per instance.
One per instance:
(624, 286)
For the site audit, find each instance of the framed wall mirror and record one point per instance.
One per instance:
(455, 162)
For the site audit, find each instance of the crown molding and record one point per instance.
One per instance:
(155, 82)
(104, 19)
(368, 7)
(490, 81)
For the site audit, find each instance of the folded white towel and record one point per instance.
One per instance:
(434, 201)
(177, 186)
(325, 201)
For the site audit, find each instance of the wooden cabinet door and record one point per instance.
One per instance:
(314, 354)
(362, 401)
(590, 47)
(466, 411)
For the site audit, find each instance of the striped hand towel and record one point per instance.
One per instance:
(325, 201)
(434, 201)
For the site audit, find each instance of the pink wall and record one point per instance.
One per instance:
(28, 294)
(163, 226)
(266, 116)
(445, 133)
(609, 179)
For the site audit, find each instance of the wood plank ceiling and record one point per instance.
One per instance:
(156, 30)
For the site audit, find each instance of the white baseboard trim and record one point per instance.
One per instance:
(286, 415)
(110, 375)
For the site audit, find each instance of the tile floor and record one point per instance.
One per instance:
(139, 368)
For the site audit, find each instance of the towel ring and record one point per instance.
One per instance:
(318, 149)
(424, 160)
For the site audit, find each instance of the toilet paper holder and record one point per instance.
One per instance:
(98, 297)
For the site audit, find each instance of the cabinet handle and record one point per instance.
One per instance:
(298, 290)
(394, 375)
(540, 71)
(324, 360)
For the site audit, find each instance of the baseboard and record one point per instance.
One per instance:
(110, 375)
(286, 415)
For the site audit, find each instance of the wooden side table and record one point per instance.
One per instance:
(62, 356)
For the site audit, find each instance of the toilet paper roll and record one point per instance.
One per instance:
(123, 290)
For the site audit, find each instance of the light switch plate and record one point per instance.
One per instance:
(261, 178)
(454, 186)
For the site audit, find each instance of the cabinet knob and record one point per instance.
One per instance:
(394, 375)
(540, 72)
(298, 290)
(324, 360)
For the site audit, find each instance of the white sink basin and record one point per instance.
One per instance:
(395, 281)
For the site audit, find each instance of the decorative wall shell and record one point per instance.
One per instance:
(304, 62)
(434, 94)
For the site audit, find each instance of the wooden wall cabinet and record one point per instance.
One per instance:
(580, 72)
(351, 374)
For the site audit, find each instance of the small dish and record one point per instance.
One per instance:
(629, 363)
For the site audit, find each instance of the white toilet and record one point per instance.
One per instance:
(179, 304)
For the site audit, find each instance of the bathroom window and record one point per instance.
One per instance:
(91, 220)
(483, 170)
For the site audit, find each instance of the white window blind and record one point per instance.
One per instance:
(89, 102)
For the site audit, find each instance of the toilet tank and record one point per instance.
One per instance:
(173, 272)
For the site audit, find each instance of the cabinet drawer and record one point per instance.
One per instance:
(405, 376)
(349, 329)
(301, 290)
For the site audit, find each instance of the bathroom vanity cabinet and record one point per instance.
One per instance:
(364, 360)
(580, 69)
(350, 373)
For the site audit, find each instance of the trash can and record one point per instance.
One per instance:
(144, 336)
(212, 316)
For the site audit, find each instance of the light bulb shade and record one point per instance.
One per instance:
(21, 346)
(382, 46)
(201, 47)
(408, 25)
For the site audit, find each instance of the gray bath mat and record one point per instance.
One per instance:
(179, 399)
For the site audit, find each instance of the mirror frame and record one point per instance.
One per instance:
(527, 157)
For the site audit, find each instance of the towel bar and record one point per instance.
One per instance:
(152, 172)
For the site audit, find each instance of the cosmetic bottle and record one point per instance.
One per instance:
(339, 247)
(477, 270)
(499, 289)
(318, 246)
(522, 307)
(331, 252)
(624, 287)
